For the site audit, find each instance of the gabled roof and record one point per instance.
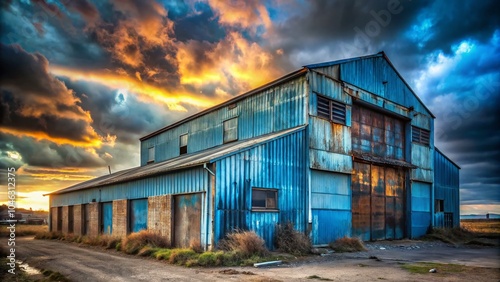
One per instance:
(181, 162)
(380, 54)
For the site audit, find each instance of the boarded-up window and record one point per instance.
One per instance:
(264, 199)
(230, 130)
(183, 144)
(377, 134)
(420, 135)
(151, 154)
(331, 110)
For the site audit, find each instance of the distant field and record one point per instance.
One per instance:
(23, 229)
(482, 226)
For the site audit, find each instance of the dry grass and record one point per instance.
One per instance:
(482, 227)
(246, 243)
(292, 241)
(134, 242)
(465, 236)
(24, 230)
(347, 245)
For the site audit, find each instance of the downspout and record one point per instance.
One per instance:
(206, 167)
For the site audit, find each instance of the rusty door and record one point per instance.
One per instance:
(377, 202)
(187, 220)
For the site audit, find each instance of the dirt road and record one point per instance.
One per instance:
(87, 264)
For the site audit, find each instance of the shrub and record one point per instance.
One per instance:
(147, 251)
(181, 256)
(51, 235)
(163, 254)
(292, 241)
(211, 258)
(246, 243)
(347, 245)
(136, 241)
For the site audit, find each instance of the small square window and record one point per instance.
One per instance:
(183, 144)
(151, 154)
(264, 199)
(230, 130)
(439, 206)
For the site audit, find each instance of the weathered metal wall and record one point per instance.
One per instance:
(446, 188)
(421, 201)
(274, 109)
(187, 220)
(279, 164)
(331, 206)
(178, 182)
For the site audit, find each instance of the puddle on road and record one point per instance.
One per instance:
(27, 268)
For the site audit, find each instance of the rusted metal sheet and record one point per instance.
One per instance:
(377, 202)
(187, 220)
(138, 215)
(377, 134)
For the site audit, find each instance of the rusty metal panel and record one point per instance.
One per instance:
(377, 134)
(138, 215)
(187, 220)
(377, 203)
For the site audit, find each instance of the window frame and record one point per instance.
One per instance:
(438, 206)
(151, 156)
(266, 191)
(183, 148)
(420, 135)
(335, 109)
(224, 130)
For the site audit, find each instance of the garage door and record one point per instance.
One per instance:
(377, 202)
(138, 215)
(187, 219)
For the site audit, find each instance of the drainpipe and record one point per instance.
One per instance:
(206, 167)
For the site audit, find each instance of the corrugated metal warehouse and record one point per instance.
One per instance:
(342, 148)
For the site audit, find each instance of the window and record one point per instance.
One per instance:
(331, 110)
(264, 199)
(183, 144)
(151, 154)
(439, 206)
(420, 135)
(230, 130)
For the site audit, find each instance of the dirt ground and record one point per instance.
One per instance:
(383, 261)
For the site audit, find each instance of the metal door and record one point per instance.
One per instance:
(138, 215)
(85, 219)
(70, 219)
(377, 202)
(59, 219)
(187, 219)
(107, 218)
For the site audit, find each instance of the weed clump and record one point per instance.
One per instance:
(292, 241)
(347, 245)
(134, 242)
(245, 243)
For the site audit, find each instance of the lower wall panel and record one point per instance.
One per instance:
(330, 225)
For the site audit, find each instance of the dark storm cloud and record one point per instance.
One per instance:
(88, 11)
(48, 154)
(36, 101)
(200, 26)
(114, 112)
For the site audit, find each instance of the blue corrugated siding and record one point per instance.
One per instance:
(331, 206)
(138, 215)
(274, 109)
(447, 186)
(185, 181)
(371, 73)
(420, 208)
(107, 218)
(279, 164)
